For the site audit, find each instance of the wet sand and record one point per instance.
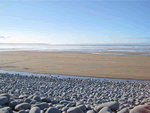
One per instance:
(73, 63)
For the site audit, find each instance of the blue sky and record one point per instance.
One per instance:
(74, 22)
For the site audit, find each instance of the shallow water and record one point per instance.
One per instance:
(111, 53)
(72, 76)
(80, 48)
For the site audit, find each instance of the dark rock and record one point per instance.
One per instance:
(3, 100)
(141, 109)
(54, 101)
(21, 111)
(37, 98)
(91, 111)
(42, 105)
(27, 100)
(112, 105)
(124, 110)
(22, 106)
(35, 110)
(53, 110)
(45, 100)
(105, 110)
(65, 108)
(13, 104)
(74, 110)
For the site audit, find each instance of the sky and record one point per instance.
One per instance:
(74, 21)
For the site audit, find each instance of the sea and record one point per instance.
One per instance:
(115, 49)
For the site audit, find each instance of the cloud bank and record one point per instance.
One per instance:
(5, 37)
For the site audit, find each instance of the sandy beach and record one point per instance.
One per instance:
(72, 63)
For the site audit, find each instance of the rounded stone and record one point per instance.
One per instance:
(13, 104)
(22, 106)
(3, 100)
(60, 106)
(105, 110)
(65, 108)
(35, 110)
(82, 107)
(7, 108)
(53, 110)
(124, 110)
(27, 111)
(91, 111)
(74, 110)
(37, 98)
(141, 109)
(5, 94)
(54, 101)
(33, 101)
(112, 105)
(42, 105)
(46, 100)
(4, 111)
(64, 102)
(27, 100)
(21, 111)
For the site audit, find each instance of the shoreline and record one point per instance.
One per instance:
(79, 64)
(103, 52)
(72, 76)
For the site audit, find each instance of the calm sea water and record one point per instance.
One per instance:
(92, 49)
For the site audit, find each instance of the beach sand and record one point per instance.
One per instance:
(73, 63)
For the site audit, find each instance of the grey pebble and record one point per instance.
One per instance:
(22, 106)
(21, 111)
(74, 110)
(105, 110)
(3, 100)
(42, 105)
(35, 110)
(53, 110)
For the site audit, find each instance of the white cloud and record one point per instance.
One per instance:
(19, 39)
(5, 37)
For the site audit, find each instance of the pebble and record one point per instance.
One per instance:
(91, 111)
(3, 100)
(59, 106)
(65, 108)
(22, 111)
(54, 101)
(27, 111)
(12, 104)
(82, 107)
(64, 102)
(42, 105)
(22, 93)
(141, 109)
(105, 110)
(35, 110)
(74, 110)
(53, 110)
(5, 94)
(44, 99)
(27, 100)
(22, 106)
(4, 111)
(37, 98)
(124, 110)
